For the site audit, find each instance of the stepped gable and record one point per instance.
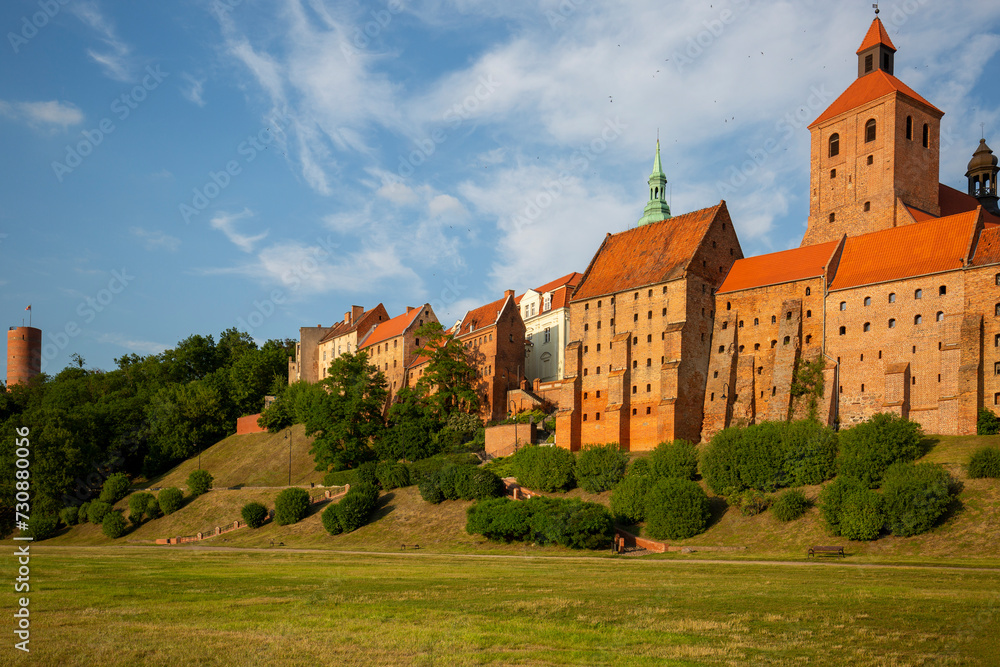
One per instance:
(868, 89)
(779, 267)
(653, 253)
(391, 328)
(903, 252)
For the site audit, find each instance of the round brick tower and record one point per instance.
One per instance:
(24, 354)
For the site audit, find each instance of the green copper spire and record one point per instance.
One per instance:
(657, 208)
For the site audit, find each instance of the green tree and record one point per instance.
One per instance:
(170, 500)
(113, 525)
(254, 514)
(678, 458)
(449, 380)
(347, 418)
(412, 424)
(291, 506)
(198, 482)
(868, 449)
(916, 496)
(676, 509)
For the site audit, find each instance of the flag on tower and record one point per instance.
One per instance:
(28, 308)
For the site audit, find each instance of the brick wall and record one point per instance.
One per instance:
(248, 424)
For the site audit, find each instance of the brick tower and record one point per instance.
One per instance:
(873, 149)
(24, 354)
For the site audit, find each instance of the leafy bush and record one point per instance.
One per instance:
(833, 496)
(392, 475)
(446, 478)
(42, 526)
(599, 467)
(254, 514)
(862, 515)
(170, 500)
(113, 525)
(331, 520)
(675, 459)
(97, 511)
(790, 505)
(198, 482)
(987, 423)
(985, 462)
(869, 448)
(153, 509)
(463, 482)
(628, 500)
(115, 488)
(354, 509)
(569, 522)
(810, 452)
(676, 509)
(137, 504)
(486, 484)
(291, 506)
(70, 515)
(341, 478)
(499, 519)
(430, 490)
(750, 502)
(544, 468)
(82, 515)
(429, 466)
(916, 496)
(366, 473)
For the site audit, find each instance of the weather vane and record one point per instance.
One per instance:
(876, 8)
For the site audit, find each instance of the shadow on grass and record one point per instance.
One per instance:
(717, 507)
(926, 445)
(383, 507)
(955, 507)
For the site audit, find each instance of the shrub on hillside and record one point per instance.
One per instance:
(810, 452)
(628, 500)
(153, 510)
(42, 526)
(429, 466)
(366, 473)
(115, 488)
(170, 500)
(199, 482)
(70, 515)
(868, 449)
(985, 462)
(987, 423)
(570, 523)
(462, 482)
(916, 496)
(832, 497)
(790, 505)
(113, 525)
(675, 459)
(331, 520)
(354, 509)
(544, 468)
(862, 515)
(750, 502)
(499, 519)
(486, 484)
(341, 478)
(254, 514)
(97, 511)
(430, 490)
(599, 467)
(137, 504)
(82, 516)
(392, 475)
(291, 506)
(720, 461)
(676, 509)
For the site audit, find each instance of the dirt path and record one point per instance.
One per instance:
(828, 562)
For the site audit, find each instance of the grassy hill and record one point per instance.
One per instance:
(255, 459)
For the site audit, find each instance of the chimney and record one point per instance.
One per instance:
(347, 318)
(357, 312)
(410, 309)
(509, 293)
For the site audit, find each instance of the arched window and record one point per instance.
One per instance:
(774, 319)
(868, 301)
(917, 319)
(942, 290)
(834, 145)
(808, 291)
(940, 316)
(729, 305)
(909, 127)
(843, 305)
(892, 324)
(756, 346)
(756, 321)
(788, 339)
(892, 297)
(843, 330)
(868, 326)
(809, 313)
(870, 131)
(918, 294)
(773, 343)
(927, 136)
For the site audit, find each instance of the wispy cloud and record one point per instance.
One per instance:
(115, 58)
(155, 239)
(226, 223)
(141, 346)
(52, 115)
(194, 89)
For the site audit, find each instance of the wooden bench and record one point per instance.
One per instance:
(408, 546)
(833, 551)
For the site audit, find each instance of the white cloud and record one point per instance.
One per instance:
(156, 239)
(226, 223)
(51, 115)
(194, 89)
(116, 56)
(141, 346)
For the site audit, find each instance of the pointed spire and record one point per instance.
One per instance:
(657, 208)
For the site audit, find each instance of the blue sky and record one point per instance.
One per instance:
(184, 167)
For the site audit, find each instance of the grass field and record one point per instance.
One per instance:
(132, 605)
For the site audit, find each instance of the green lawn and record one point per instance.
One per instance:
(135, 605)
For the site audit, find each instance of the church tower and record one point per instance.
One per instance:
(657, 208)
(875, 149)
(982, 175)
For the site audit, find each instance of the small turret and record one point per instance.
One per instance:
(982, 175)
(657, 208)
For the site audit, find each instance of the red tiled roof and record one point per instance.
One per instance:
(646, 255)
(571, 279)
(419, 360)
(954, 201)
(483, 316)
(342, 327)
(919, 215)
(988, 249)
(867, 89)
(876, 35)
(904, 252)
(778, 267)
(392, 328)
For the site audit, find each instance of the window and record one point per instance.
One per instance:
(664, 312)
(788, 339)
(892, 324)
(913, 380)
(649, 410)
(843, 330)
(940, 316)
(843, 305)
(996, 368)
(917, 319)
(909, 127)
(808, 291)
(598, 347)
(597, 370)
(868, 326)
(862, 357)
(942, 290)
(729, 305)
(788, 315)
(741, 349)
(773, 344)
(634, 412)
(584, 416)
(834, 145)
(712, 397)
(871, 159)
(809, 314)
(880, 354)
(869, 63)
(597, 395)
(996, 340)
(918, 294)
(833, 217)
(996, 310)
(650, 295)
(635, 340)
(635, 318)
(914, 349)
(725, 325)
(635, 363)
(870, 131)
(833, 173)
(586, 327)
(892, 297)
(649, 338)
(774, 319)
(635, 388)
(722, 348)
(598, 304)
(586, 306)
(649, 362)
(756, 321)
(868, 301)
(868, 206)
(715, 374)
(649, 388)
(756, 346)
(548, 335)
(598, 324)
(741, 324)
(597, 416)
(649, 315)
(862, 389)
(927, 136)
(809, 339)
